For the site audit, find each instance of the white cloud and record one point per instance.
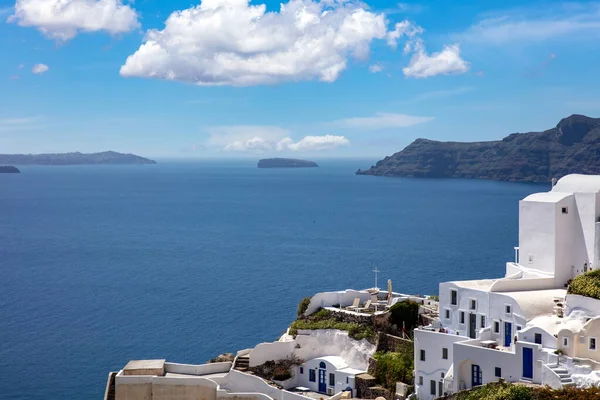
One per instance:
(375, 68)
(226, 135)
(39, 69)
(229, 42)
(404, 28)
(533, 24)
(256, 144)
(381, 121)
(446, 62)
(313, 143)
(64, 19)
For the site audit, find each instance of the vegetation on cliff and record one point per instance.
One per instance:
(587, 285)
(572, 146)
(508, 391)
(324, 319)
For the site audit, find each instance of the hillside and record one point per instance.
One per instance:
(106, 157)
(573, 146)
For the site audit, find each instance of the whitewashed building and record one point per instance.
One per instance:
(491, 329)
(328, 375)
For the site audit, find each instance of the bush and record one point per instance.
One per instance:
(406, 312)
(587, 285)
(355, 331)
(303, 306)
(395, 367)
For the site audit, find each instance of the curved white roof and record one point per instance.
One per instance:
(337, 362)
(577, 183)
(547, 197)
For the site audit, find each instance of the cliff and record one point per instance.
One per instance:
(573, 146)
(107, 157)
(285, 163)
(9, 169)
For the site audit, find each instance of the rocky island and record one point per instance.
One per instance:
(573, 146)
(106, 157)
(9, 169)
(285, 163)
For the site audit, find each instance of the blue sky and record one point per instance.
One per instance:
(228, 78)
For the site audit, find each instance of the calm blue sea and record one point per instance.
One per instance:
(103, 264)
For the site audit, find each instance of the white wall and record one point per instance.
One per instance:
(203, 369)
(464, 296)
(528, 335)
(586, 305)
(271, 352)
(537, 235)
(327, 299)
(333, 342)
(434, 365)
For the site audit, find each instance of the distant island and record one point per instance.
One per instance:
(106, 157)
(9, 169)
(572, 147)
(285, 163)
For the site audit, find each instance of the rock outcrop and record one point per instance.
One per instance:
(573, 146)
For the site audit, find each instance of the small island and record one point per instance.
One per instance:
(77, 158)
(8, 169)
(285, 163)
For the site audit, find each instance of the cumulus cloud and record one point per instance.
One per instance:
(313, 143)
(404, 28)
(230, 42)
(39, 69)
(64, 19)
(381, 121)
(256, 144)
(446, 62)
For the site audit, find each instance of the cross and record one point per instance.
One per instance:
(376, 271)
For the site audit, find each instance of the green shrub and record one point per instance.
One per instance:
(303, 306)
(355, 331)
(587, 285)
(395, 367)
(406, 312)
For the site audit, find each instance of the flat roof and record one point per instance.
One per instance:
(553, 324)
(336, 361)
(479, 284)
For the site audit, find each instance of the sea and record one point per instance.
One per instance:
(100, 265)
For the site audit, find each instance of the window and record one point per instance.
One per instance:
(331, 379)
(565, 342)
(322, 365)
(507, 309)
(496, 327)
(422, 355)
(444, 354)
(498, 372)
(453, 297)
(441, 375)
(432, 386)
(447, 314)
(531, 259)
(483, 321)
(312, 375)
(473, 303)
(519, 327)
(565, 210)
(538, 338)
(301, 370)
(421, 381)
(592, 343)
(347, 380)
(462, 317)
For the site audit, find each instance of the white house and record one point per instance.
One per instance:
(327, 375)
(491, 328)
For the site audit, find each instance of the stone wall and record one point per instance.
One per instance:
(387, 342)
(362, 383)
(378, 391)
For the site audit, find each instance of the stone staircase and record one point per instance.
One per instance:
(564, 375)
(242, 363)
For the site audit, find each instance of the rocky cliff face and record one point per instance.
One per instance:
(573, 146)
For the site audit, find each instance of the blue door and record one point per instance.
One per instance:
(322, 383)
(475, 375)
(527, 363)
(507, 334)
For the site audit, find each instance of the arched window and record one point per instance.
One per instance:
(322, 365)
